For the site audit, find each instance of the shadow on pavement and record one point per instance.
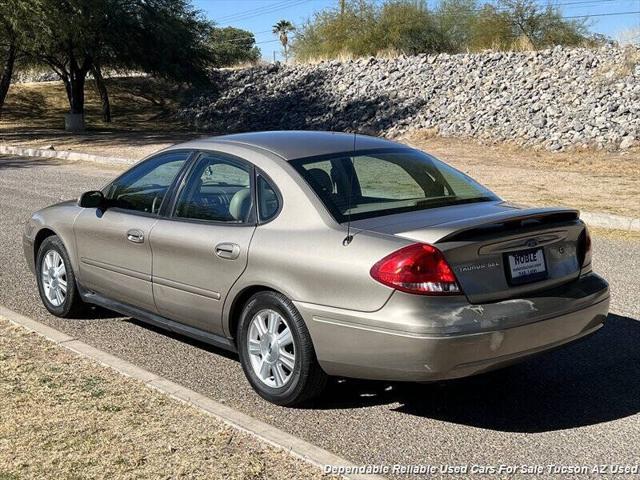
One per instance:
(592, 381)
(15, 162)
(184, 339)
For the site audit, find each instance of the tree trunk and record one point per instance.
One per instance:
(104, 94)
(7, 73)
(76, 91)
(74, 86)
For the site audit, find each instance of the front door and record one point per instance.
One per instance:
(113, 246)
(201, 249)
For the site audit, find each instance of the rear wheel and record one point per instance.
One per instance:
(276, 352)
(56, 280)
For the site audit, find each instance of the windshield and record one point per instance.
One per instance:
(365, 184)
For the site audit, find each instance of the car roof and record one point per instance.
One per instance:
(293, 144)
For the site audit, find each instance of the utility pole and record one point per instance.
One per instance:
(274, 56)
(342, 8)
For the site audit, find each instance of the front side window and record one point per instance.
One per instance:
(375, 183)
(218, 189)
(144, 187)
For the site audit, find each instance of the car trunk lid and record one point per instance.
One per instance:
(496, 250)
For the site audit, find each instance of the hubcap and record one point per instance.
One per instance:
(271, 348)
(54, 278)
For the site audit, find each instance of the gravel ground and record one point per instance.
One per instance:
(577, 405)
(87, 421)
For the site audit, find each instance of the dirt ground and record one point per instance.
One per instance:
(141, 108)
(594, 181)
(63, 416)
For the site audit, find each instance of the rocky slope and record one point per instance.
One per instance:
(555, 99)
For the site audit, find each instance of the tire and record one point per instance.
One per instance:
(296, 385)
(69, 303)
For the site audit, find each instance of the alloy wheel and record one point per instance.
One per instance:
(271, 348)
(54, 278)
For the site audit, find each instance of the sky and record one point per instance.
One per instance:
(258, 16)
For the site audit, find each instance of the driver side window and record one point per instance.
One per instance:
(144, 187)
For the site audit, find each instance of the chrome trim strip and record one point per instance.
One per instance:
(520, 243)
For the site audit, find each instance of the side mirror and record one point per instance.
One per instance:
(92, 199)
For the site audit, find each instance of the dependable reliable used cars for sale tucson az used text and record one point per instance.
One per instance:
(316, 254)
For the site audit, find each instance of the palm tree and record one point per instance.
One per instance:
(282, 29)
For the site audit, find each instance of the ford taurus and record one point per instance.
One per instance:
(316, 254)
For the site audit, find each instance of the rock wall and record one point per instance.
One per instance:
(556, 99)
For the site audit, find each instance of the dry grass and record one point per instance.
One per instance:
(595, 181)
(611, 73)
(615, 234)
(142, 110)
(66, 417)
(136, 102)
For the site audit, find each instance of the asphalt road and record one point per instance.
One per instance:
(577, 405)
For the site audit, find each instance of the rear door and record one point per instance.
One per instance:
(113, 244)
(201, 249)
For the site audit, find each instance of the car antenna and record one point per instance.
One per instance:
(347, 240)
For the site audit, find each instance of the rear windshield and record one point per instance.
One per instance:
(365, 184)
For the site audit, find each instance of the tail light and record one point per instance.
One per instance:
(417, 268)
(585, 247)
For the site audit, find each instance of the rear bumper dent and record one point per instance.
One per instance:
(358, 351)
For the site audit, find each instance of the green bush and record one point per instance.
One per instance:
(364, 27)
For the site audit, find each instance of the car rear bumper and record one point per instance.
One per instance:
(362, 347)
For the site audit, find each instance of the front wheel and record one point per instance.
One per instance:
(56, 280)
(276, 352)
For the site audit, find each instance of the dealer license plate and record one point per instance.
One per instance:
(527, 266)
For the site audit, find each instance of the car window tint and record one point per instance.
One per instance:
(267, 200)
(144, 187)
(216, 173)
(319, 175)
(374, 183)
(217, 190)
(380, 178)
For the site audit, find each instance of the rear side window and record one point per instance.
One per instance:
(218, 189)
(144, 187)
(374, 183)
(268, 203)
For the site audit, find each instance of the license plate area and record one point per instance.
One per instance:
(526, 266)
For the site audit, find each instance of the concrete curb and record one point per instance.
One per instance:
(601, 220)
(607, 220)
(293, 445)
(64, 155)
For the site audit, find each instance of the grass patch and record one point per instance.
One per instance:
(137, 103)
(93, 387)
(99, 424)
(8, 476)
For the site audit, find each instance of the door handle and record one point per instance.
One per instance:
(135, 236)
(230, 251)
